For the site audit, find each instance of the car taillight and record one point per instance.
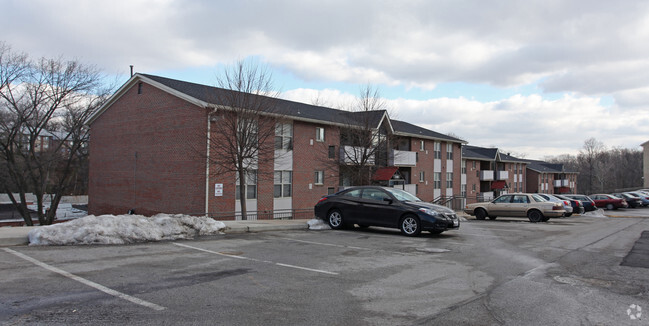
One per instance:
(567, 203)
(321, 200)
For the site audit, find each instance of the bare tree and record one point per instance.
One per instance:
(246, 113)
(364, 139)
(591, 154)
(44, 104)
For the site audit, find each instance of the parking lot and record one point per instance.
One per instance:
(506, 271)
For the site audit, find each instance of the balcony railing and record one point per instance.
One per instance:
(562, 183)
(502, 175)
(402, 158)
(354, 155)
(486, 175)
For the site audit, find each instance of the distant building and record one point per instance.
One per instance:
(550, 178)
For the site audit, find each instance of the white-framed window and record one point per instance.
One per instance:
(421, 145)
(422, 176)
(449, 151)
(437, 180)
(463, 166)
(251, 186)
(319, 134)
(463, 190)
(318, 177)
(437, 147)
(449, 179)
(283, 184)
(284, 136)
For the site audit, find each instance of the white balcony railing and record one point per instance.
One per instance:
(502, 175)
(354, 155)
(402, 158)
(562, 183)
(486, 175)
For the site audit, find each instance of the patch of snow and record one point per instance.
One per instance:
(123, 229)
(318, 224)
(597, 213)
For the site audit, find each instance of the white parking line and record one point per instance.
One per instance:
(326, 244)
(255, 260)
(86, 282)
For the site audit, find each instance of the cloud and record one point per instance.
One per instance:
(528, 125)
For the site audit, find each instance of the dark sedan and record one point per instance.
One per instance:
(386, 207)
(589, 204)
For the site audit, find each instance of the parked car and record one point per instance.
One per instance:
(577, 207)
(566, 203)
(644, 196)
(589, 204)
(535, 207)
(608, 201)
(632, 200)
(386, 207)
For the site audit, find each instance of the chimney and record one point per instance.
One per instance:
(131, 70)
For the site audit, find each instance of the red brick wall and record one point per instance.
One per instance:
(310, 156)
(145, 155)
(424, 163)
(472, 179)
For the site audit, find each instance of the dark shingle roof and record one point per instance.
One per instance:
(479, 153)
(297, 110)
(546, 167)
(405, 127)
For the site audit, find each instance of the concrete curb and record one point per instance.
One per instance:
(14, 236)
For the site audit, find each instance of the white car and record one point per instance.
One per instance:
(565, 203)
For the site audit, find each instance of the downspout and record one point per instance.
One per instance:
(207, 162)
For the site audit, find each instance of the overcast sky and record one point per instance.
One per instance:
(534, 78)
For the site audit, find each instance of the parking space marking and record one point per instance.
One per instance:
(256, 260)
(86, 282)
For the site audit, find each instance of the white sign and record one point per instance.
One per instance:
(218, 189)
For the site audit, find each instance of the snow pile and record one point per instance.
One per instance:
(595, 213)
(318, 224)
(122, 229)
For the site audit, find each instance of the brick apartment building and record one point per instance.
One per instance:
(146, 142)
(550, 178)
(488, 173)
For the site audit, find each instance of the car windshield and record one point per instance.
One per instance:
(402, 195)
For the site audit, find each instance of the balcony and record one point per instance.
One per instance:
(353, 155)
(502, 175)
(402, 158)
(486, 175)
(562, 183)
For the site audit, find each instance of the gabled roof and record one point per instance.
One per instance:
(206, 96)
(488, 154)
(546, 167)
(407, 129)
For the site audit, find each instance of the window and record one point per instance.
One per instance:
(422, 176)
(463, 190)
(332, 151)
(284, 136)
(319, 134)
(449, 151)
(283, 184)
(421, 145)
(437, 183)
(473, 187)
(331, 191)
(354, 193)
(437, 147)
(251, 186)
(139, 88)
(473, 165)
(374, 194)
(463, 166)
(319, 177)
(247, 135)
(449, 179)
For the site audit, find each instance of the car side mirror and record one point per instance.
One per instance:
(389, 200)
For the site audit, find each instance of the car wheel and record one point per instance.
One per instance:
(335, 219)
(545, 218)
(480, 214)
(410, 225)
(609, 207)
(568, 215)
(492, 217)
(535, 216)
